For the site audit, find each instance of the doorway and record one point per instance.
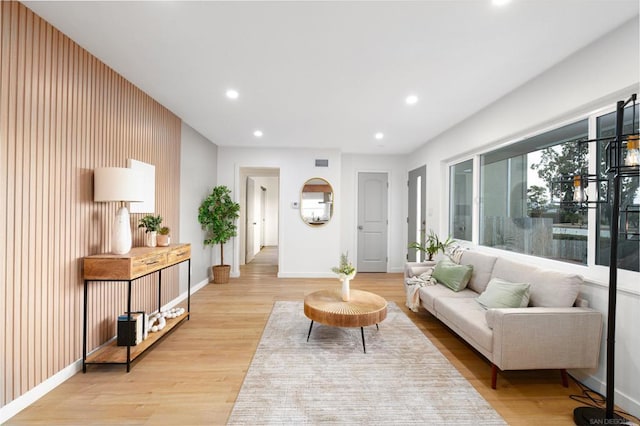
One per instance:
(373, 221)
(259, 216)
(416, 219)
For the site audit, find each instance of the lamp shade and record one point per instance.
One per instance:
(117, 184)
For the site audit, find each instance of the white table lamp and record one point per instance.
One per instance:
(122, 185)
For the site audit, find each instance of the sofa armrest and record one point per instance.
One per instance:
(545, 338)
(416, 265)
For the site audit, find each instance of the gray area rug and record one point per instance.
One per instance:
(402, 379)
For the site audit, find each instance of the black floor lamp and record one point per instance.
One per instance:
(621, 161)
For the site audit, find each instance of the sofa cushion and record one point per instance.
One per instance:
(504, 294)
(554, 289)
(429, 294)
(548, 288)
(454, 276)
(513, 271)
(482, 267)
(466, 316)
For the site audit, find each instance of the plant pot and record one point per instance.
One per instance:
(221, 274)
(163, 240)
(151, 239)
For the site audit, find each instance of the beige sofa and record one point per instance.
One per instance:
(551, 333)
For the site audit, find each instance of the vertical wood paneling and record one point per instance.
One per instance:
(62, 114)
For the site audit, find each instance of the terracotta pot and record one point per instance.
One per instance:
(163, 240)
(221, 274)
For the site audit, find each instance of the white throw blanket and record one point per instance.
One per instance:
(413, 284)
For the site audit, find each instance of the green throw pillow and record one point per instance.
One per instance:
(454, 276)
(504, 294)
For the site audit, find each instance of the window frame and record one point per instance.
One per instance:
(593, 273)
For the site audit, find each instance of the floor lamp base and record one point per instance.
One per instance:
(590, 416)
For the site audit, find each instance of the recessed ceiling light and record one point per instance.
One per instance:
(232, 94)
(500, 2)
(379, 135)
(258, 133)
(411, 100)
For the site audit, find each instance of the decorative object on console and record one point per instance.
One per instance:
(346, 271)
(152, 225)
(431, 244)
(621, 162)
(134, 331)
(163, 239)
(122, 185)
(217, 215)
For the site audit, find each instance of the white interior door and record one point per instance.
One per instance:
(250, 250)
(416, 219)
(372, 222)
(263, 214)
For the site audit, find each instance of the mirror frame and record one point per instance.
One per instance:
(314, 181)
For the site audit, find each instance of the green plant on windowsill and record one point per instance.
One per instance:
(431, 244)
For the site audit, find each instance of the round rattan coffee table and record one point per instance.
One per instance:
(328, 308)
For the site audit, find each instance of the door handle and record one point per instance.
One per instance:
(360, 228)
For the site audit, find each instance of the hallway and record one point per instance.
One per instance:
(264, 263)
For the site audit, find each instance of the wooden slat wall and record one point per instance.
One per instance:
(62, 114)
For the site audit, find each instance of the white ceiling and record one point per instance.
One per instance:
(332, 74)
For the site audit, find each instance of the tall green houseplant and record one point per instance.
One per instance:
(217, 215)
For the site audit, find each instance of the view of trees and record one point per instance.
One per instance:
(559, 162)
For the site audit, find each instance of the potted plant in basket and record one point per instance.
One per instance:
(163, 237)
(151, 224)
(217, 215)
(431, 244)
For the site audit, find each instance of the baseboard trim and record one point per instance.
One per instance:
(622, 400)
(28, 398)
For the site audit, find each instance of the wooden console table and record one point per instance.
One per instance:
(138, 263)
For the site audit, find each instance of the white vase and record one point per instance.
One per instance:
(151, 239)
(345, 288)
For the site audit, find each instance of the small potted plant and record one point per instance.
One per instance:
(346, 271)
(151, 225)
(163, 238)
(432, 245)
(217, 215)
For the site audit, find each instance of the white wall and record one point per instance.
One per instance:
(594, 77)
(198, 164)
(395, 166)
(303, 251)
(271, 208)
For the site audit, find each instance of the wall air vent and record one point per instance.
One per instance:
(322, 163)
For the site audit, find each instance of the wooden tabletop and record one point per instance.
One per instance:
(362, 309)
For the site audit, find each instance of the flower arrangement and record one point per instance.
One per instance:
(346, 268)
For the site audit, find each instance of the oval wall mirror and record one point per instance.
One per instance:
(316, 202)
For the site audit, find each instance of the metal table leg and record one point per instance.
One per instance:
(310, 327)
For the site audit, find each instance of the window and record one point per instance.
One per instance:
(522, 206)
(628, 245)
(461, 195)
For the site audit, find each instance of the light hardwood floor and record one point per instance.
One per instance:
(194, 375)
